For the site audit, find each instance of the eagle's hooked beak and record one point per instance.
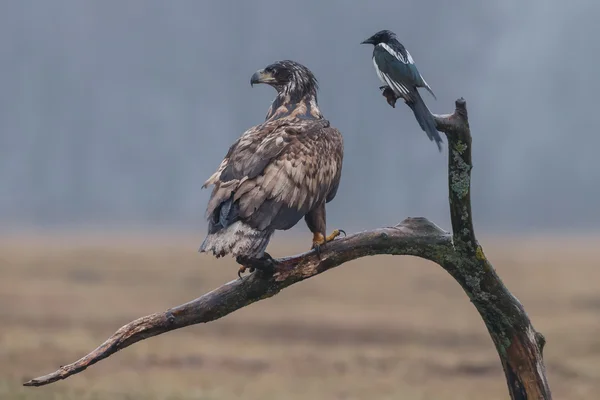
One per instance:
(261, 76)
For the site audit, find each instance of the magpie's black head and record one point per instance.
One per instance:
(383, 36)
(287, 77)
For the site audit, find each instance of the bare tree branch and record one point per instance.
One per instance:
(518, 344)
(413, 236)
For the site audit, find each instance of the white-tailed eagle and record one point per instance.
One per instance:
(277, 172)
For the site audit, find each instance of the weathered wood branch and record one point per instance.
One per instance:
(414, 236)
(518, 344)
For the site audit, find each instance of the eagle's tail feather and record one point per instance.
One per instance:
(237, 239)
(425, 119)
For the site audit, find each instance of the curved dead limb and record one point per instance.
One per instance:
(518, 344)
(413, 236)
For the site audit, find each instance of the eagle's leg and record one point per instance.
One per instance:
(316, 222)
(266, 264)
(319, 239)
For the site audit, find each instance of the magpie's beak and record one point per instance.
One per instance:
(261, 76)
(368, 41)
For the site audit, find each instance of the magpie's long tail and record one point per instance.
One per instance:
(425, 119)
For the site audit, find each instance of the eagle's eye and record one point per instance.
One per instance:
(282, 74)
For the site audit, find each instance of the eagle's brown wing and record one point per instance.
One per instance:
(276, 173)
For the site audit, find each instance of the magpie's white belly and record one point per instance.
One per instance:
(381, 78)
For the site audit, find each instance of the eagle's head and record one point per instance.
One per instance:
(288, 77)
(296, 89)
(383, 36)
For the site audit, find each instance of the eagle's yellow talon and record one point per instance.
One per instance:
(334, 234)
(319, 239)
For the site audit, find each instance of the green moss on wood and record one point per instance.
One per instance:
(460, 147)
(460, 180)
(479, 254)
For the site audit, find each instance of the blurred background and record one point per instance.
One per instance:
(113, 114)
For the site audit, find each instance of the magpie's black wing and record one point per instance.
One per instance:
(397, 69)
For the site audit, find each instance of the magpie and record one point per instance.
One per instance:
(396, 68)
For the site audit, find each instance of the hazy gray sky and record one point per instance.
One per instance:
(116, 111)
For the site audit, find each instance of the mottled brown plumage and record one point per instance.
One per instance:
(277, 172)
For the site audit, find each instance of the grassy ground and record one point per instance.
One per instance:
(377, 328)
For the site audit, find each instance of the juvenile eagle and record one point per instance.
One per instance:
(277, 172)
(396, 68)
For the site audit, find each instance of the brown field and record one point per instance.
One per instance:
(377, 328)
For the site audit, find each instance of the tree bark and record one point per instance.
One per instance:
(518, 344)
